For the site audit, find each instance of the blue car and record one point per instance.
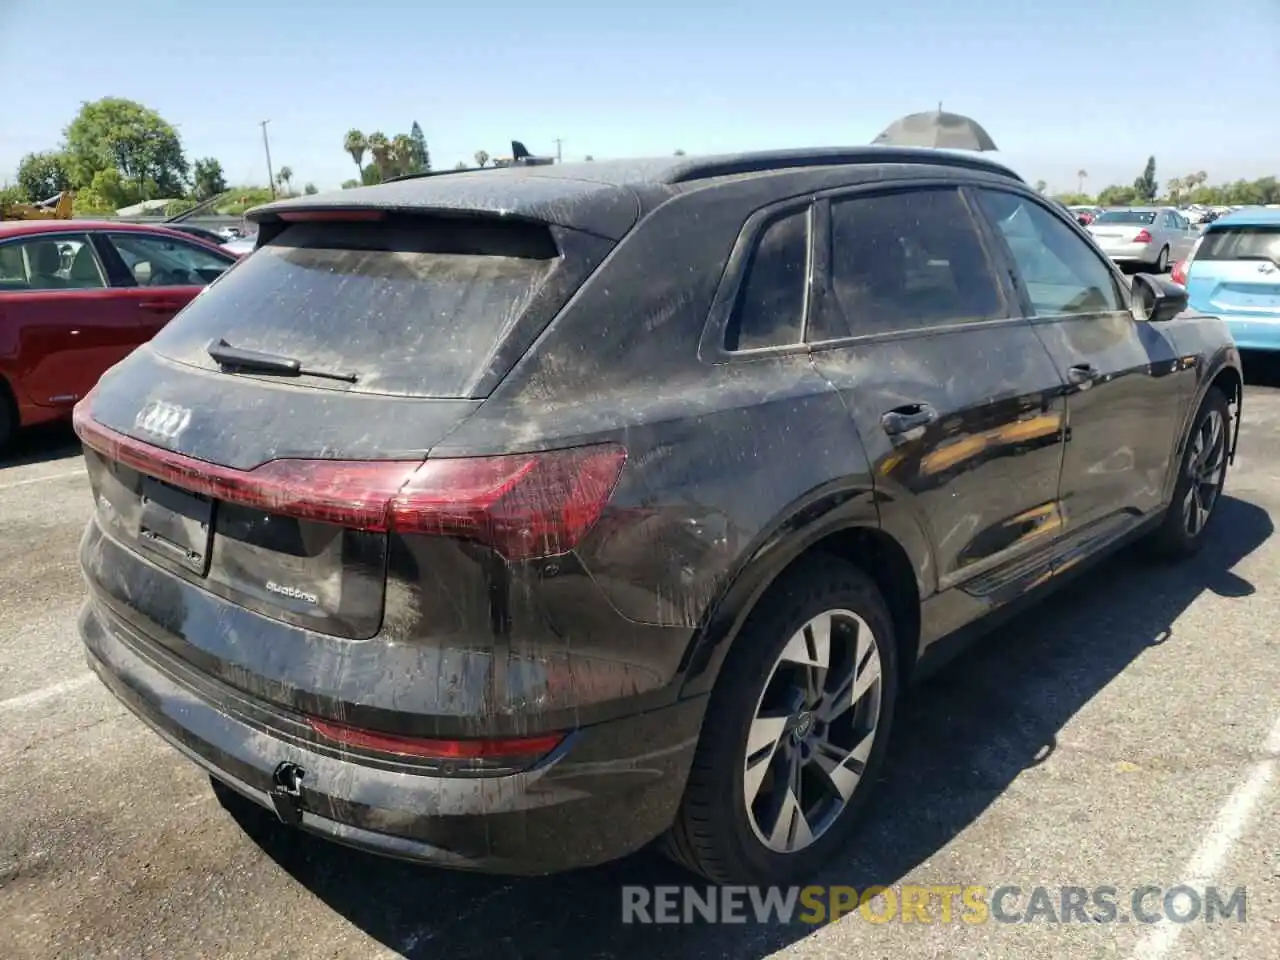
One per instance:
(1234, 272)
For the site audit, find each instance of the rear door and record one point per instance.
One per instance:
(956, 401)
(1127, 383)
(1236, 272)
(164, 273)
(61, 326)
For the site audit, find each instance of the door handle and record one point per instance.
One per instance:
(1082, 373)
(158, 305)
(907, 417)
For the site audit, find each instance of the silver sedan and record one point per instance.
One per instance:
(1144, 236)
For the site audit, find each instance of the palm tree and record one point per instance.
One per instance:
(283, 177)
(380, 147)
(356, 145)
(482, 158)
(1176, 185)
(402, 154)
(1081, 176)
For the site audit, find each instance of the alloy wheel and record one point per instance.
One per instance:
(812, 731)
(1205, 466)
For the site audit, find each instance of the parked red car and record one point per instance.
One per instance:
(78, 296)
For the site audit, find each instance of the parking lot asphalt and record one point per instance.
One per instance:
(1126, 733)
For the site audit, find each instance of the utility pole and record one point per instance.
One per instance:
(271, 177)
(559, 141)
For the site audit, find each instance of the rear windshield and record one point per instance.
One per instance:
(409, 309)
(1126, 216)
(1241, 243)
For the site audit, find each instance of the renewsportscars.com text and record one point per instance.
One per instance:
(970, 904)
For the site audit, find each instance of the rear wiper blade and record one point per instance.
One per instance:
(238, 358)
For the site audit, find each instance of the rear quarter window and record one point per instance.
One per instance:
(410, 309)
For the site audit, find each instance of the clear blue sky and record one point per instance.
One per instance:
(1098, 84)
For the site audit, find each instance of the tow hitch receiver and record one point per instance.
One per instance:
(286, 794)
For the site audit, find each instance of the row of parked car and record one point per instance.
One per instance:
(1227, 257)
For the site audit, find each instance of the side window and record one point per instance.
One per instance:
(771, 300)
(902, 261)
(50, 262)
(1060, 272)
(164, 262)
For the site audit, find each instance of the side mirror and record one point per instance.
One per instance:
(1157, 299)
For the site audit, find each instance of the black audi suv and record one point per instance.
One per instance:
(511, 520)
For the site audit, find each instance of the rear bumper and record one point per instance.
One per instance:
(1148, 253)
(1252, 333)
(604, 792)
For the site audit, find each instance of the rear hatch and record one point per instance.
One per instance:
(255, 447)
(1236, 270)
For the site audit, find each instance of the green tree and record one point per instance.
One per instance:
(1146, 187)
(380, 148)
(207, 178)
(1117, 196)
(130, 139)
(310, 190)
(679, 152)
(370, 175)
(460, 165)
(482, 158)
(12, 194)
(421, 155)
(42, 175)
(356, 145)
(285, 179)
(588, 158)
(350, 184)
(402, 155)
(1041, 186)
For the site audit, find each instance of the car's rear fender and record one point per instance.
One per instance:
(825, 515)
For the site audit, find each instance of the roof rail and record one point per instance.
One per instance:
(704, 168)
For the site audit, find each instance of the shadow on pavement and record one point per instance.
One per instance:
(1261, 369)
(962, 738)
(52, 441)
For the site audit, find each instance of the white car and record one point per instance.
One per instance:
(1144, 236)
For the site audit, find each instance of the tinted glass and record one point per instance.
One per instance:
(770, 308)
(51, 262)
(1241, 243)
(1060, 271)
(906, 260)
(1133, 217)
(164, 262)
(376, 300)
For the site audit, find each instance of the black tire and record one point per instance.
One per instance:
(714, 834)
(1162, 261)
(1176, 537)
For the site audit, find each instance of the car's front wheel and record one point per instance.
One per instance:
(795, 730)
(1200, 479)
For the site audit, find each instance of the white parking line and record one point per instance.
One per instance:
(53, 476)
(36, 697)
(1212, 853)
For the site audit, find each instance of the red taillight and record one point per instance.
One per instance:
(523, 505)
(529, 748)
(1179, 272)
(1143, 236)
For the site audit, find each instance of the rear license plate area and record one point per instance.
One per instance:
(176, 525)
